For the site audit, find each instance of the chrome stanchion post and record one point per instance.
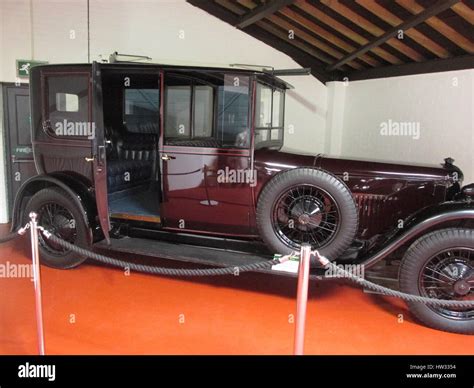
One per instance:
(37, 281)
(302, 299)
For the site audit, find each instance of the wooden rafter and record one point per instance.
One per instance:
(311, 39)
(308, 47)
(362, 22)
(434, 66)
(219, 10)
(261, 12)
(302, 46)
(331, 46)
(440, 26)
(384, 14)
(318, 30)
(300, 34)
(344, 30)
(464, 11)
(439, 6)
(278, 33)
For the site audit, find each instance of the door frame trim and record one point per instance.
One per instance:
(4, 86)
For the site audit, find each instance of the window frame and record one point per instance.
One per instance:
(193, 82)
(251, 79)
(269, 142)
(125, 115)
(47, 129)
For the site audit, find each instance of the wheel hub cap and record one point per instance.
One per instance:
(305, 214)
(461, 287)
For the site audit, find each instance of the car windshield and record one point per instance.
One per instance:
(270, 107)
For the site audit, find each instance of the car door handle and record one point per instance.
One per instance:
(101, 155)
(167, 157)
(89, 159)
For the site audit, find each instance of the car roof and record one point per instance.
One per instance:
(263, 75)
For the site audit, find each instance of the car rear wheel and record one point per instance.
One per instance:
(58, 213)
(307, 206)
(440, 265)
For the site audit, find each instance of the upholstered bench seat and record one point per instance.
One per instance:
(131, 161)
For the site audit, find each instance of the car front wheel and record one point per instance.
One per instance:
(440, 265)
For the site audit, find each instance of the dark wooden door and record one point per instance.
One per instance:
(20, 163)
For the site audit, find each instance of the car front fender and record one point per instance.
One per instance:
(428, 219)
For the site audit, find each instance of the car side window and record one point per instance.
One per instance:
(269, 117)
(207, 110)
(189, 107)
(67, 112)
(141, 111)
(233, 111)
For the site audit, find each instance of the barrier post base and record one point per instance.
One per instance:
(302, 299)
(37, 282)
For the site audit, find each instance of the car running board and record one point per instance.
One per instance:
(187, 253)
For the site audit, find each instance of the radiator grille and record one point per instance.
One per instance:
(376, 213)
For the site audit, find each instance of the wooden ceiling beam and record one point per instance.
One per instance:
(464, 11)
(384, 14)
(284, 36)
(311, 40)
(439, 6)
(229, 13)
(432, 66)
(440, 26)
(373, 29)
(344, 30)
(261, 12)
(318, 30)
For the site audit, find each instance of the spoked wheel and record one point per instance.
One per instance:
(60, 222)
(306, 214)
(60, 215)
(450, 275)
(440, 265)
(307, 206)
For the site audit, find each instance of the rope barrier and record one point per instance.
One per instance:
(163, 270)
(256, 266)
(268, 264)
(390, 292)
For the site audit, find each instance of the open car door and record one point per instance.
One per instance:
(99, 152)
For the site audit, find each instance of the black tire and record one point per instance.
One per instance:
(43, 204)
(434, 266)
(318, 190)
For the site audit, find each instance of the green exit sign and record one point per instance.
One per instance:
(23, 67)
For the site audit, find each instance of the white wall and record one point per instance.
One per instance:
(49, 30)
(442, 104)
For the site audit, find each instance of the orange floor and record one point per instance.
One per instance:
(99, 310)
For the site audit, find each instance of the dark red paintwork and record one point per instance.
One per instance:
(385, 192)
(194, 200)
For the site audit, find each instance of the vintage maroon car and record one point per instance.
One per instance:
(166, 150)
